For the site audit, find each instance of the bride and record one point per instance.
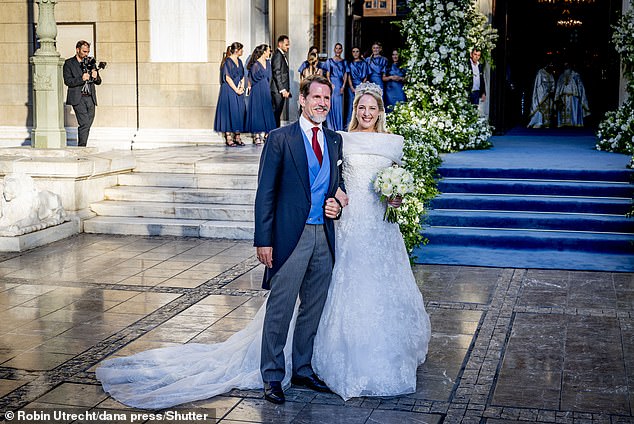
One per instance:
(374, 330)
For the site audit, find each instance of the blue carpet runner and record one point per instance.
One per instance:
(537, 199)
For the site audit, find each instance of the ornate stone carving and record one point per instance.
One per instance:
(24, 208)
(42, 82)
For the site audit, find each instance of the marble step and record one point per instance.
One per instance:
(180, 195)
(206, 211)
(170, 227)
(237, 167)
(162, 179)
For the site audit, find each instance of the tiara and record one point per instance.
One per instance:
(368, 87)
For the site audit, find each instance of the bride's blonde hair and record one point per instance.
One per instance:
(376, 92)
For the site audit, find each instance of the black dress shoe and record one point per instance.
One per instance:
(273, 392)
(312, 382)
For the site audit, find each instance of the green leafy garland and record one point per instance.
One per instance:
(616, 131)
(437, 116)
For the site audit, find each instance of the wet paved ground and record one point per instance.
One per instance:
(508, 345)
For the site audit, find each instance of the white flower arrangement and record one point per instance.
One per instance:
(616, 131)
(392, 182)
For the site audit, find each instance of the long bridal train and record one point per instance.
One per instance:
(160, 378)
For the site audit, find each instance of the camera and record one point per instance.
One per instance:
(89, 64)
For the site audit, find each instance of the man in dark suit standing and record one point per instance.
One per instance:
(81, 89)
(280, 83)
(478, 87)
(295, 205)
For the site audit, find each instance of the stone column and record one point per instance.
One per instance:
(300, 29)
(48, 86)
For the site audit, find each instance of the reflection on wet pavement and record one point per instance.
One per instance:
(507, 345)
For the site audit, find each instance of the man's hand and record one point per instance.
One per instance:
(94, 74)
(85, 76)
(332, 209)
(265, 256)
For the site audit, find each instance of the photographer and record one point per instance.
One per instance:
(81, 76)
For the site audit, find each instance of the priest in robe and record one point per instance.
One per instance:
(571, 100)
(543, 99)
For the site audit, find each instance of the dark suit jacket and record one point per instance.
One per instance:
(279, 68)
(282, 201)
(72, 79)
(483, 87)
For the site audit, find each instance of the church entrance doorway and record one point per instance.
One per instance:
(534, 33)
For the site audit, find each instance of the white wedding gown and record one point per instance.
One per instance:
(374, 330)
(373, 333)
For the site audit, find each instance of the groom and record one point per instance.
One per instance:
(295, 204)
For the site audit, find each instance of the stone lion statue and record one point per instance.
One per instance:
(24, 208)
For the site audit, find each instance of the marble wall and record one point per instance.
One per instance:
(174, 96)
(16, 27)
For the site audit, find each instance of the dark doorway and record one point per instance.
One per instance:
(536, 32)
(363, 31)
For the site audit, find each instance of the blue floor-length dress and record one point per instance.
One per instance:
(377, 67)
(394, 89)
(357, 72)
(260, 117)
(231, 108)
(337, 71)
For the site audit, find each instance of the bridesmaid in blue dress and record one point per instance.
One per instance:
(313, 50)
(377, 65)
(231, 108)
(358, 71)
(260, 118)
(337, 74)
(394, 78)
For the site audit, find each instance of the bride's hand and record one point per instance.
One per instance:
(342, 197)
(395, 202)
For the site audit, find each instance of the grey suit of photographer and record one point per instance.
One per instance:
(81, 76)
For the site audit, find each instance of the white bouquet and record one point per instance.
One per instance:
(392, 182)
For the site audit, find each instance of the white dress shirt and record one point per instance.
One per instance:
(476, 76)
(307, 128)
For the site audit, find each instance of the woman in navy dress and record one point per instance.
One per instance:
(231, 108)
(260, 118)
(337, 74)
(305, 64)
(377, 65)
(394, 78)
(358, 71)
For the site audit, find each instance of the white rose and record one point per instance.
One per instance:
(387, 189)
